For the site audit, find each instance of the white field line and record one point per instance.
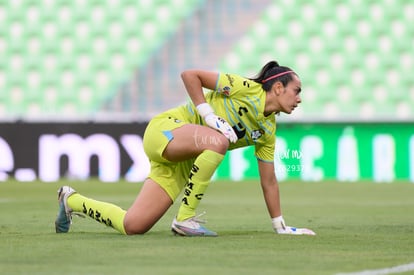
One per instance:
(385, 271)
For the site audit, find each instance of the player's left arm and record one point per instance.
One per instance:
(271, 195)
(270, 188)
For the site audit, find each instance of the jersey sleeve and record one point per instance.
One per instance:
(229, 84)
(265, 150)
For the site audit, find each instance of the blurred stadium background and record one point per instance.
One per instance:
(120, 60)
(95, 59)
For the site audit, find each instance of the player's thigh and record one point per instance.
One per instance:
(150, 205)
(191, 139)
(157, 136)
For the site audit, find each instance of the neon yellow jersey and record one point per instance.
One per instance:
(241, 103)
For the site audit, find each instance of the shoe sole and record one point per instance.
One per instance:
(61, 199)
(178, 232)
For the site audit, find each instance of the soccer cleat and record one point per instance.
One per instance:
(191, 228)
(64, 216)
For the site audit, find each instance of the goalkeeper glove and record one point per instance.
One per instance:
(280, 227)
(216, 122)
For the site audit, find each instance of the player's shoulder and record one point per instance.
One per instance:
(235, 79)
(232, 81)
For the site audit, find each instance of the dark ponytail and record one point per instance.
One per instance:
(272, 72)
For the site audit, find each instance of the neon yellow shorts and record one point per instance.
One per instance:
(171, 176)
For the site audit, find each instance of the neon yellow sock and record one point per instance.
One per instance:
(103, 212)
(201, 172)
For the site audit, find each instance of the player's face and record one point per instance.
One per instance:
(289, 99)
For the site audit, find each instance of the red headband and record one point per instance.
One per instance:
(276, 75)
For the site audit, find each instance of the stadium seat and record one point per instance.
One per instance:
(79, 50)
(352, 56)
(348, 50)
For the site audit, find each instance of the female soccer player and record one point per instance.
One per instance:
(185, 145)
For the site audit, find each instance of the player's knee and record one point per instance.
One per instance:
(134, 225)
(135, 228)
(220, 144)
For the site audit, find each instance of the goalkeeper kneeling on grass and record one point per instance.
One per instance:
(185, 145)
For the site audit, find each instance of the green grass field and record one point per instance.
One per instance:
(359, 226)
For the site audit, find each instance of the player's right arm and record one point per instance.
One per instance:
(194, 81)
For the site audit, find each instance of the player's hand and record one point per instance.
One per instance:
(216, 122)
(281, 228)
(220, 124)
(295, 231)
